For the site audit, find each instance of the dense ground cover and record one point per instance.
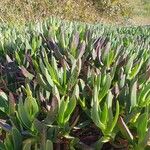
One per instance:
(67, 85)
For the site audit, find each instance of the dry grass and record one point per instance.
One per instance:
(25, 10)
(79, 10)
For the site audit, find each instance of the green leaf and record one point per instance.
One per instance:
(70, 108)
(76, 91)
(62, 39)
(64, 75)
(2, 146)
(99, 144)
(143, 94)
(17, 57)
(122, 80)
(27, 144)
(46, 74)
(31, 107)
(23, 115)
(124, 129)
(49, 145)
(109, 99)
(52, 133)
(110, 58)
(136, 69)
(8, 142)
(106, 52)
(142, 123)
(105, 89)
(28, 91)
(56, 93)
(51, 70)
(26, 73)
(133, 97)
(96, 117)
(17, 139)
(42, 82)
(115, 119)
(95, 96)
(53, 112)
(146, 141)
(129, 64)
(30, 104)
(28, 46)
(98, 82)
(48, 78)
(82, 103)
(3, 102)
(81, 84)
(62, 109)
(34, 44)
(82, 49)
(35, 64)
(73, 77)
(74, 44)
(113, 70)
(147, 101)
(54, 64)
(103, 79)
(104, 115)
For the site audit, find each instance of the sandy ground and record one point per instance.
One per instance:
(141, 20)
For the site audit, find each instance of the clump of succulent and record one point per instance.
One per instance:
(74, 86)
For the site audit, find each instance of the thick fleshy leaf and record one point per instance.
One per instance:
(12, 104)
(27, 144)
(96, 118)
(42, 82)
(17, 138)
(115, 119)
(26, 73)
(104, 90)
(62, 109)
(49, 145)
(124, 129)
(82, 49)
(104, 115)
(142, 124)
(136, 69)
(133, 97)
(3, 102)
(70, 108)
(23, 115)
(129, 64)
(143, 94)
(8, 142)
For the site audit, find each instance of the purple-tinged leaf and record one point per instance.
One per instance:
(75, 41)
(52, 111)
(12, 103)
(52, 45)
(82, 49)
(124, 129)
(26, 73)
(5, 126)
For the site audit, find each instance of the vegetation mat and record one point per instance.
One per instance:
(67, 85)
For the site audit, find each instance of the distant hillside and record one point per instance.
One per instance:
(117, 11)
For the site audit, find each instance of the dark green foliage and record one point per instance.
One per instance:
(59, 79)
